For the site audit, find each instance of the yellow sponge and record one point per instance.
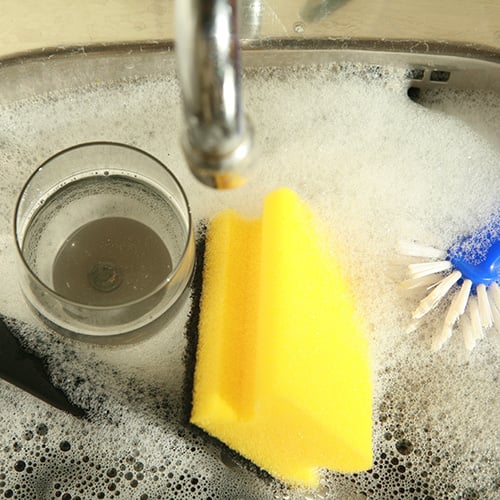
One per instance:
(282, 371)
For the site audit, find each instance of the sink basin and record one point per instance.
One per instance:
(384, 143)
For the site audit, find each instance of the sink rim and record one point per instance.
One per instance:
(365, 45)
(49, 69)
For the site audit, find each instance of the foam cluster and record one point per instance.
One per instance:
(379, 168)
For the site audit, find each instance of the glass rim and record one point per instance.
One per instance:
(171, 275)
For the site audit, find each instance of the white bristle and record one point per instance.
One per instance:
(424, 281)
(496, 319)
(475, 318)
(425, 268)
(468, 333)
(442, 338)
(484, 306)
(414, 249)
(494, 292)
(412, 326)
(433, 299)
(456, 309)
(463, 296)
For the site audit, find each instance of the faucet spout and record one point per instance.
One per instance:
(218, 140)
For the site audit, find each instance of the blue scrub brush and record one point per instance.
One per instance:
(470, 270)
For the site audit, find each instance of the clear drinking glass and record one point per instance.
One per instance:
(105, 240)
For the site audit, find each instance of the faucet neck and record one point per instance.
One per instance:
(218, 138)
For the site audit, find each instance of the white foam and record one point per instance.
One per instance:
(379, 169)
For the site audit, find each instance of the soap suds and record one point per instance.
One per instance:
(378, 168)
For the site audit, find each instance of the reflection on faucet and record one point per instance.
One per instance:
(219, 139)
(315, 10)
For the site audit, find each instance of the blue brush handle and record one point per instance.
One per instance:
(477, 256)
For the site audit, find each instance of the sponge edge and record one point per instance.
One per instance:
(282, 372)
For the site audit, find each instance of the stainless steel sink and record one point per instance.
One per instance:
(25, 75)
(138, 441)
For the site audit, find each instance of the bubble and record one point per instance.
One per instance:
(64, 446)
(20, 465)
(42, 429)
(298, 27)
(28, 435)
(112, 472)
(404, 446)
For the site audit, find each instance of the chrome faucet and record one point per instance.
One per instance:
(218, 140)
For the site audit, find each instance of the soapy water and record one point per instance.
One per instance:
(378, 168)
